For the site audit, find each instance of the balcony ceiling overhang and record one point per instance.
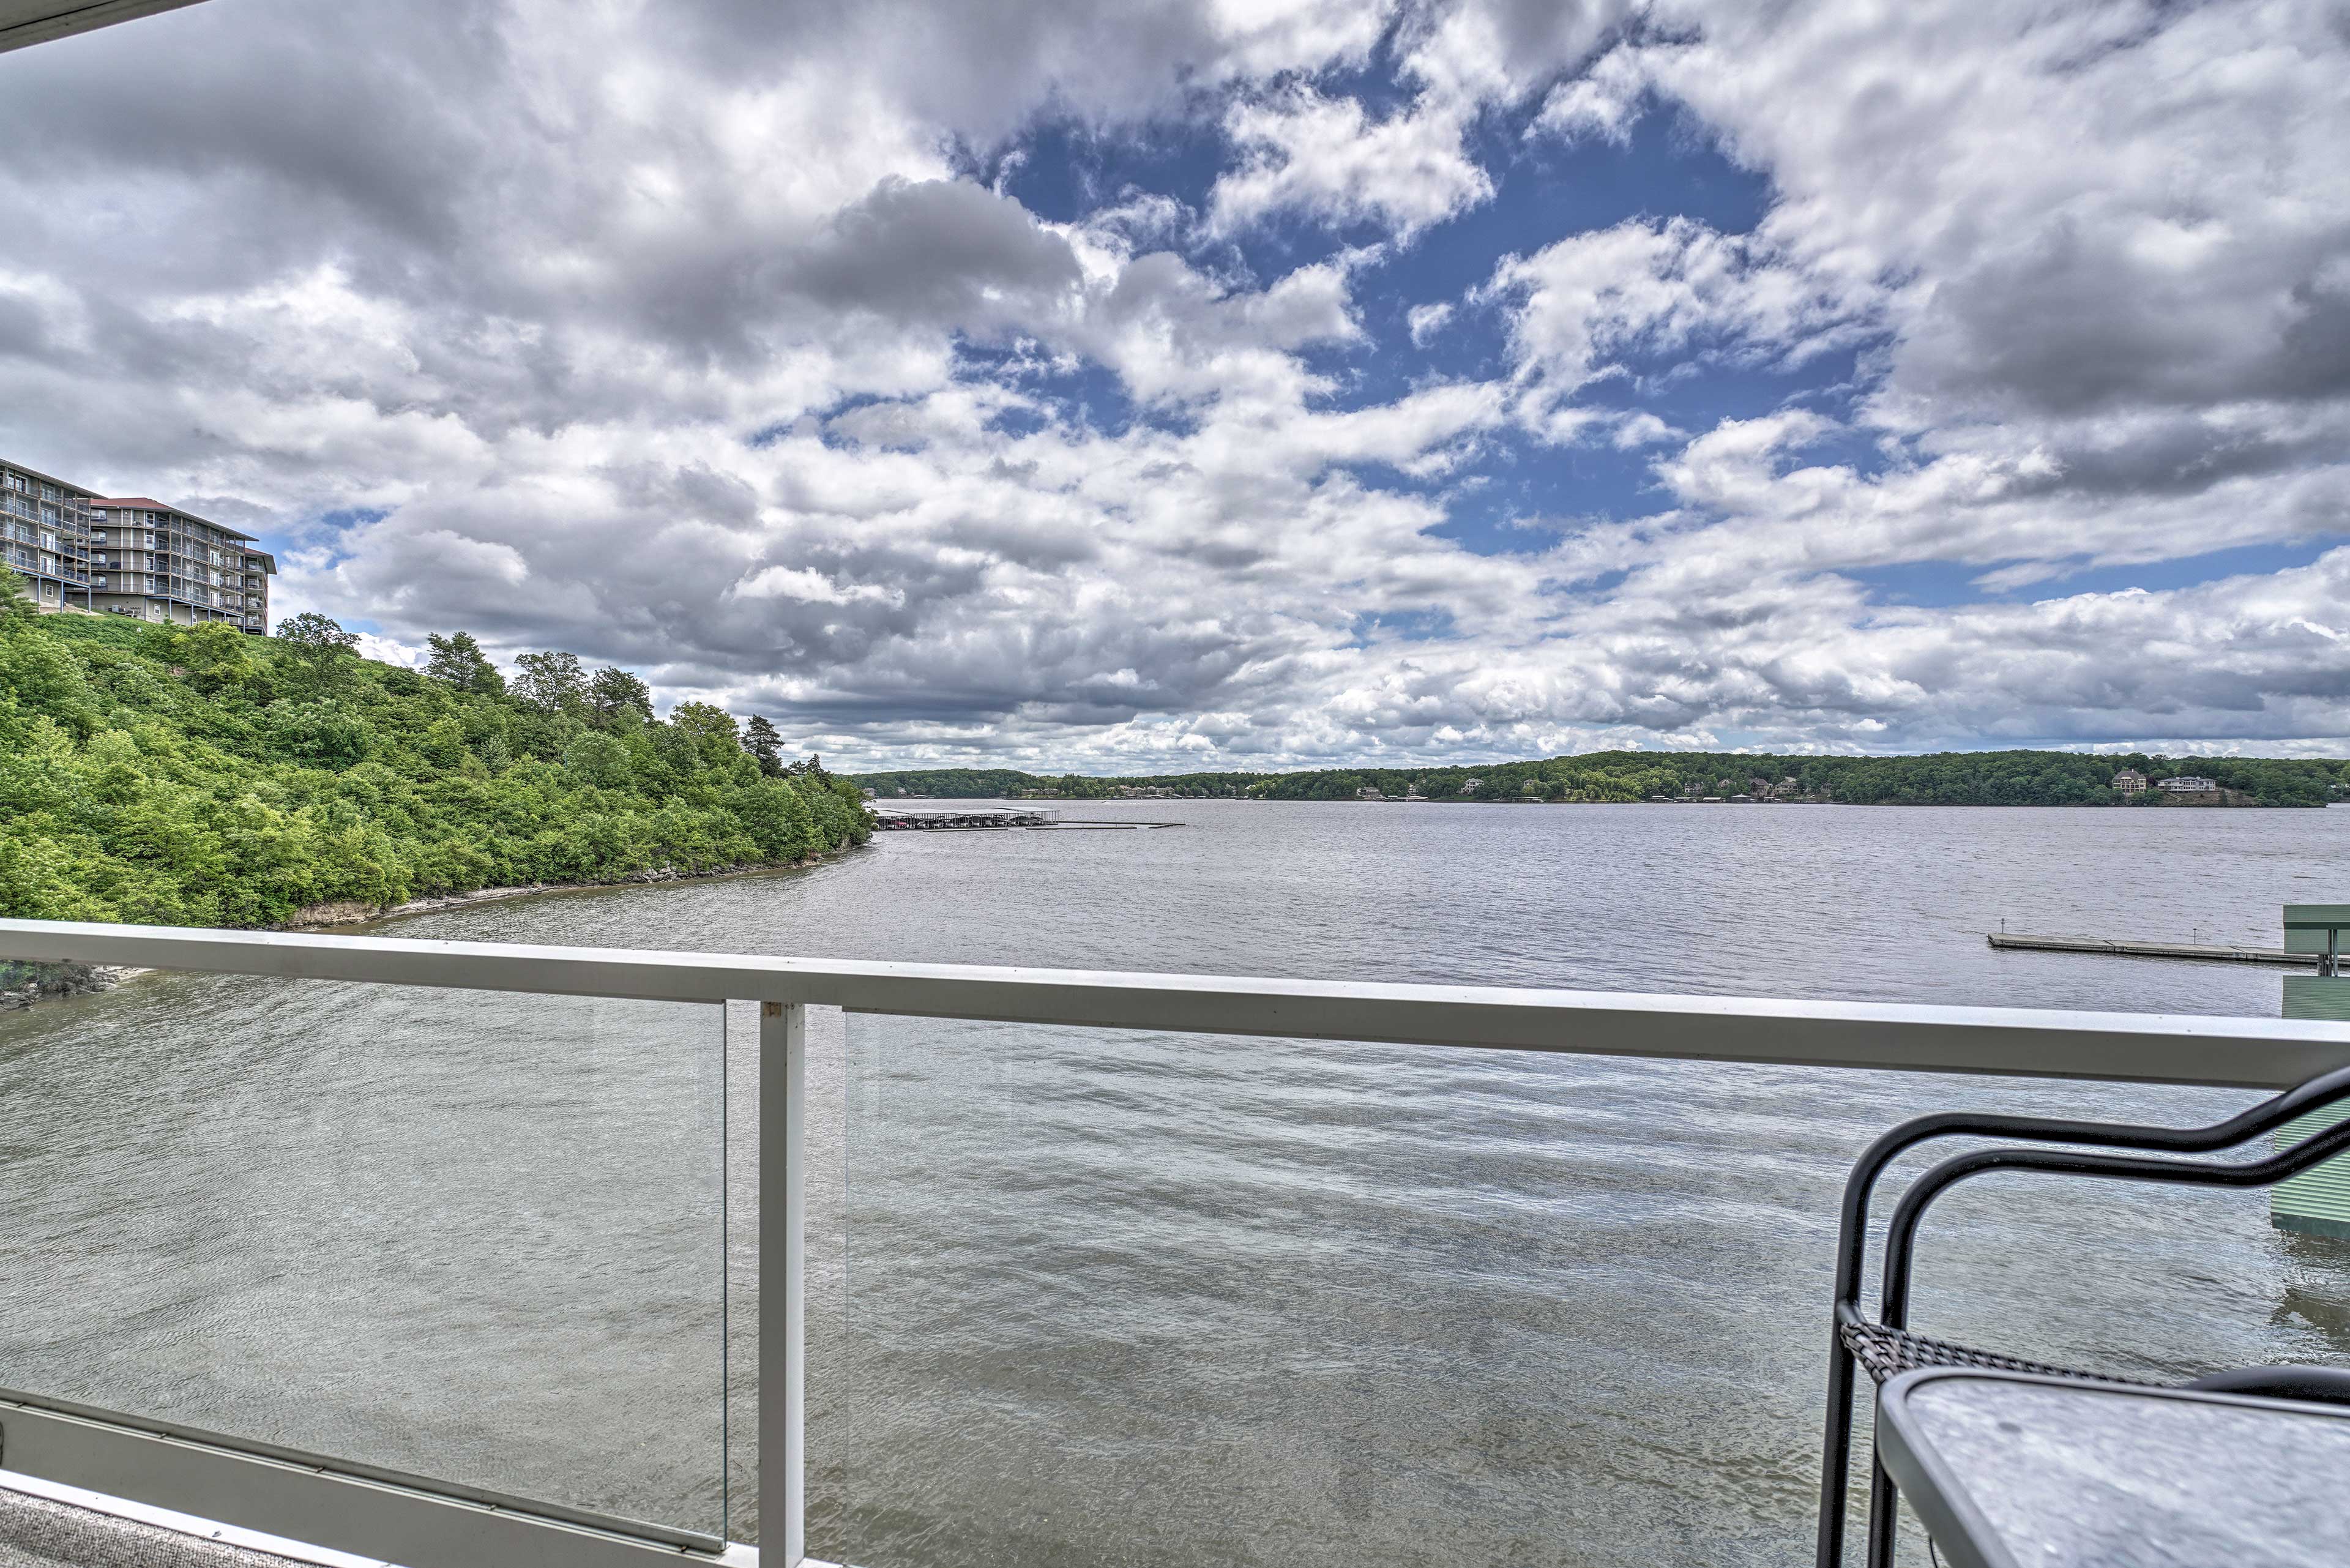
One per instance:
(23, 22)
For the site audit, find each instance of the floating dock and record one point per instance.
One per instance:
(996, 818)
(2199, 951)
(889, 821)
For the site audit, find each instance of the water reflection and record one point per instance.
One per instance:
(1078, 1298)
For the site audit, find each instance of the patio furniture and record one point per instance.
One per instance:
(2018, 1471)
(1886, 1347)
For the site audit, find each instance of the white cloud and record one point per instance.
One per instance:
(1327, 158)
(1331, 160)
(1500, 51)
(2103, 211)
(683, 337)
(806, 587)
(1580, 307)
(1602, 103)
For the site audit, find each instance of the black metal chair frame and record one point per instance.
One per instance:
(1901, 1234)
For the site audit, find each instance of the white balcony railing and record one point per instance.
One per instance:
(384, 1515)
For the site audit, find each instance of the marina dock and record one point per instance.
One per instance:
(2200, 952)
(900, 819)
(904, 821)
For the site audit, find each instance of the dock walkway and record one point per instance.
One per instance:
(2204, 953)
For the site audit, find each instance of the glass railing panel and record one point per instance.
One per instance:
(470, 1236)
(1122, 1296)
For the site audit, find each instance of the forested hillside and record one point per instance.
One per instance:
(1952, 778)
(200, 776)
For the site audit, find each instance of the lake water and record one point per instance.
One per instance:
(1084, 1298)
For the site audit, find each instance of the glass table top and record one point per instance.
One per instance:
(2011, 1471)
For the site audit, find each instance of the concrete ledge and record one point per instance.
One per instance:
(302, 1504)
(45, 1522)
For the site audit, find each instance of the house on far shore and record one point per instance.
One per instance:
(2129, 781)
(1470, 786)
(1369, 792)
(2189, 783)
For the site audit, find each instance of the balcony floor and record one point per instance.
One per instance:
(40, 1532)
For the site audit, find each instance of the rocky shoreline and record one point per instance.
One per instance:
(23, 985)
(320, 917)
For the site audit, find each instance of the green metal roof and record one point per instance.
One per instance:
(2307, 927)
(2317, 1201)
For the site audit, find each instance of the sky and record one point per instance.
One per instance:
(1134, 385)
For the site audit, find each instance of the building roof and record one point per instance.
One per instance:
(149, 504)
(23, 22)
(30, 472)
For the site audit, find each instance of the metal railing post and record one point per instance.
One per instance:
(783, 1310)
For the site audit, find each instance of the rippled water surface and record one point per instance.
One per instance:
(1081, 1297)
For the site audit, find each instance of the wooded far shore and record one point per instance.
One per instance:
(2136, 780)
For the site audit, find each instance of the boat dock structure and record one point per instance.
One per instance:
(909, 819)
(900, 820)
(2205, 952)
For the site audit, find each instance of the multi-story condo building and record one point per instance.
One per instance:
(45, 536)
(78, 550)
(161, 564)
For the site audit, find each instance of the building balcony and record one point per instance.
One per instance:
(445, 1325)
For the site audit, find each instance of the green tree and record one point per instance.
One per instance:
(711, 729)
(777, 820)
(459, 661)
(219, 658)
(325, 732)
(320, 646)
(613, 691)
(599, 760)
(552, 683)
(765, 744)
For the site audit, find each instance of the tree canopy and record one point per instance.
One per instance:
(201, 776)
(1951, 778)
(459, 661)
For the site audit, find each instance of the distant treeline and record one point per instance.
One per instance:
(1947, 778)
(201, 776)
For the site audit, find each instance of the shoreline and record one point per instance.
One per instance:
(326, 916)
(2174, 803)
(80, 981)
